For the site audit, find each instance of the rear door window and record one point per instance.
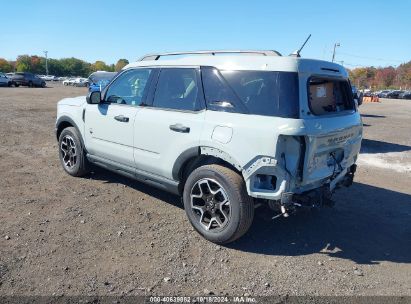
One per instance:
(328, 96)
(177, 88)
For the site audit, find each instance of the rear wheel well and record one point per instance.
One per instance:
(197, 161)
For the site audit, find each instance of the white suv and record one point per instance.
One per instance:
(227, 133)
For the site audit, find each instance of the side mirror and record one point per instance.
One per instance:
(94, 97)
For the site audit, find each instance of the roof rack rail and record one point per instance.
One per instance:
(212, 52)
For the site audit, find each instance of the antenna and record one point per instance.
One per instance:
(297, 53)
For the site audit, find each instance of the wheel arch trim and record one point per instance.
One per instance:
(194, 152)
(66, 119)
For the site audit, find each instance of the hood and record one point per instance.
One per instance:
(74, 101)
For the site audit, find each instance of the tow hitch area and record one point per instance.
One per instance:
(320, 197)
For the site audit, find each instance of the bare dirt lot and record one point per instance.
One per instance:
(108, 235)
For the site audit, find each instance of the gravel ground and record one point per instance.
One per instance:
(108, 235)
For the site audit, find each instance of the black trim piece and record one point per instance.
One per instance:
(140, 175)
(70, 121)
(152, 88)
(331, 70)
(201, 102)
(181, 160)
(301, 160)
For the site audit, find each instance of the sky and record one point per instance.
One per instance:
(376, 33)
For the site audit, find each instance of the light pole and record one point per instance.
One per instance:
(47, 68)
(335, 45)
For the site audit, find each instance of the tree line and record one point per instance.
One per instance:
(364, 77)
(382, 78)
(58, 67)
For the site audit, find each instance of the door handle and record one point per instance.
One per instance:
(121, 118)
(179, 128)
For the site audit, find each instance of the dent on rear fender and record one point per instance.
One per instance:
(220, 154)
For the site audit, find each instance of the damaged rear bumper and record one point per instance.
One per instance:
(318, 197)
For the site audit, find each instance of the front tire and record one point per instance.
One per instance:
(217, 204)
(71, 153)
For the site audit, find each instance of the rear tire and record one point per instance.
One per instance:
(30, 85)
(217, 204)
(43, 84)
(16, 85)
(71, 152)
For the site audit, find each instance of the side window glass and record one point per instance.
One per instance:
(129, 88)
(218, 95)
(177, 89)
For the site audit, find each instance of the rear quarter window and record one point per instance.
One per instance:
(326, 96)
(266, 93)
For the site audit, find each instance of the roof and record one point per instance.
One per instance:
(211, 52)
(245, 61)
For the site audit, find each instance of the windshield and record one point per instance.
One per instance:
(265, 92)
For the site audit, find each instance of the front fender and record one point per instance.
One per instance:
(64, 121)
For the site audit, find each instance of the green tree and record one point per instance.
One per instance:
(75, 67)
(55, 66)
(100, 66)
(5, 66)
(121, 63)
(23, 63)
(36, 65)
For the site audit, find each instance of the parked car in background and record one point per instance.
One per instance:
(5, 81)
(394, 94)
(405, 95)
(80, 82)
(357, 95)
(28, 79)
(69, 81)
(383, 93)
(50, 78)
(10, 75)
(99, 80)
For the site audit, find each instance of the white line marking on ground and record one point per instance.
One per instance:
(391, 161)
